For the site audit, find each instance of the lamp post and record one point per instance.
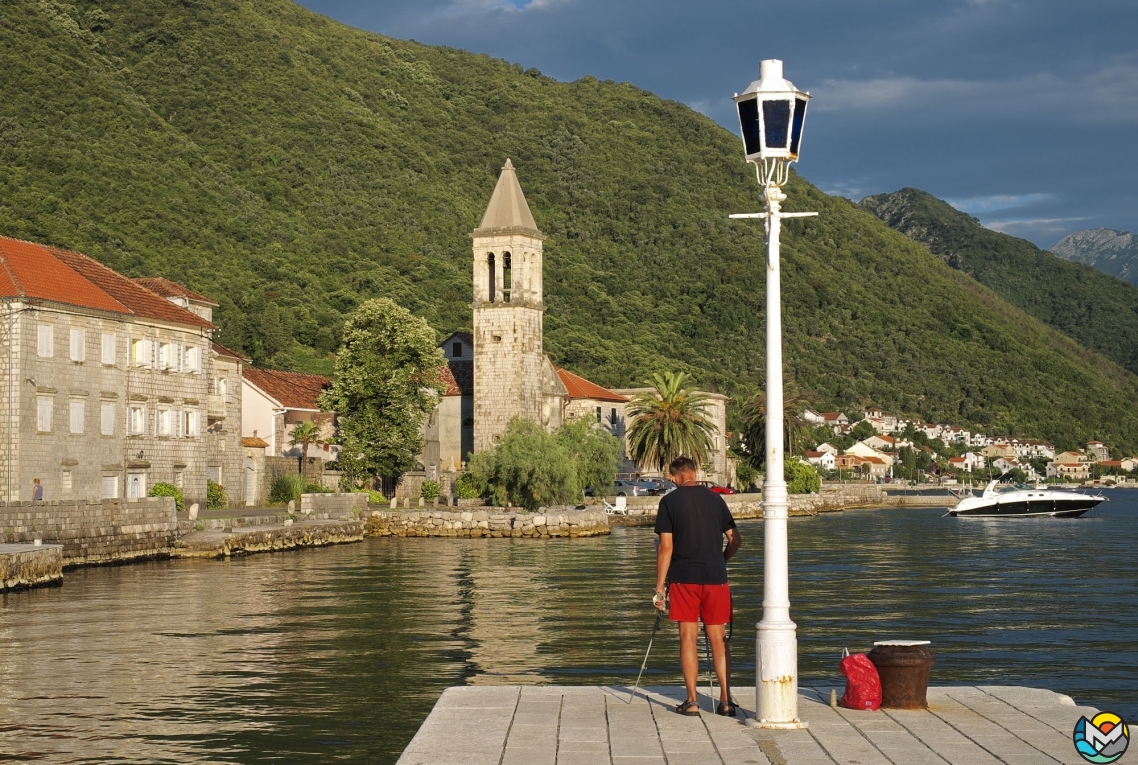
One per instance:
(771, 117)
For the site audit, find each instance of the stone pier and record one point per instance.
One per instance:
(23, 566)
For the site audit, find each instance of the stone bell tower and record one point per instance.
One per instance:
(512, 377)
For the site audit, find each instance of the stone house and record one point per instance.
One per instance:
(108, 381)
(862, 450)
(879, 442)
(1097, 451)
(274, 402)
(824, 460)
(1079, 471)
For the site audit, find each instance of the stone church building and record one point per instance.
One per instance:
(500, 371)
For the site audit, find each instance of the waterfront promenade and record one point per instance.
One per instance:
(593, 725)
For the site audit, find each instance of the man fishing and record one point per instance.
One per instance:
(691, 562)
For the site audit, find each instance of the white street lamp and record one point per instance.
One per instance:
(771, 117)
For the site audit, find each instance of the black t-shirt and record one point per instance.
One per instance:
(697, 518)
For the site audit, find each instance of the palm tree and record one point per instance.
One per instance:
(303, 434)
(669, 421)
(794, 402)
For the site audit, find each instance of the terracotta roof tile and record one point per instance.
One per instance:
(292, 389)
(459, 377)
(167, 289)
(33, 270)
(138, 300)
(252, 442)
(221, 350)
(579, 387)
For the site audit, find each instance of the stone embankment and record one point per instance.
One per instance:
(23, 566)
(832, 498)
(94, 532)
(492, 522)
(229, 541)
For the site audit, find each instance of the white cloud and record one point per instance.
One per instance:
(996, 202)
(1108, 94)
(482, 7)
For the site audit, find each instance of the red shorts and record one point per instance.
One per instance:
(709, 603)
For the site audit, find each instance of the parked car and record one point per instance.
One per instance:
(715, 487)
(651, 486)
(666, 486)
(622, 488)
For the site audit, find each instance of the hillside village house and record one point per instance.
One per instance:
(108, 381)
(500, 371)
(274, 402)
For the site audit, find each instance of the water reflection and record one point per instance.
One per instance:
(339, 653)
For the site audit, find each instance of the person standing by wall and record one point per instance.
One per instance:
(37, 491)
(691, 567)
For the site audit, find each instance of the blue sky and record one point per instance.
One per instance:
(1022, 112)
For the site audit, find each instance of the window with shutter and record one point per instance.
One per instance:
(45, 410)
(108, 348)
(110, 487)
(45, 340)
(78, 413)
(65, 481)
(107, 419)
(78, 340)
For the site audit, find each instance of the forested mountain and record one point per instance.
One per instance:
(292, 167)
(1099, 311)
(1112, 252)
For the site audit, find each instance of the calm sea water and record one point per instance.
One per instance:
(339, 653)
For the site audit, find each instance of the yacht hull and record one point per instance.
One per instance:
(1058, 508)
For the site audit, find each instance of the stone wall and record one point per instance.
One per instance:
(23, 566)
(335, 504)
(490, 522)
(94, 531)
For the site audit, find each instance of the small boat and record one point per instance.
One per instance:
(1023, 500)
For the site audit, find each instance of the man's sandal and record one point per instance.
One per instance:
(727, 709)
(688, 709)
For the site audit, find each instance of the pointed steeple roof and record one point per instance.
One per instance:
(508, 210)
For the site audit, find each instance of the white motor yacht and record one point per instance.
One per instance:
(1023, 500)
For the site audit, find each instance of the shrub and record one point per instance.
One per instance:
(429, 491)
(802, 478)
(529, 468)
(745, 475)
(214, 495)
(286, 488)
(315, 488)
(163, 489)
(466, 487)
(373, 497)
(594, 452)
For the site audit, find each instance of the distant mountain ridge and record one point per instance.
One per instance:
(1112, 252)
(1097, 310)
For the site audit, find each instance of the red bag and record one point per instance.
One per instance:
(863, 684)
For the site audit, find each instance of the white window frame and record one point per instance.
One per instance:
(136, 420)
(108, 348)
(78, 344)
(193, 424)
(140, 352)
(194, 359)
(114, 487)
(163, 422)
(76, 416)
(65, 481)
(107, 418)
(45, 413)
(45, 341)
(165, 356)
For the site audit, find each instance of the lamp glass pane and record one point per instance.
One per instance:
(796, 127)
(749, 122)
(776, 123)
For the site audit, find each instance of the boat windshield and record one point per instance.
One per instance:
(1016, 487)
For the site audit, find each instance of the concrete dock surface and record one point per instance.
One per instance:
(588, 725)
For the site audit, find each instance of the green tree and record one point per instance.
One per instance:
(388, 381)
(594, 451)
(862, 431)
(529, 467)
(801, 478)
(304, 434)
(669, 421)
